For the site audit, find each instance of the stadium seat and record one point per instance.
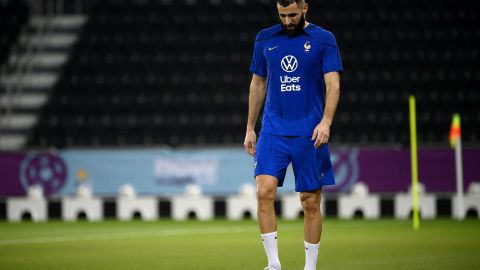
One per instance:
(240, 204)
(404, 204)
(128, 207)
(192, 204)
(34, 206)
(292, 207)
(471, 202)
(359, 201)
(82, 205)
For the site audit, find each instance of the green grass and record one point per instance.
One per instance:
(358, 244)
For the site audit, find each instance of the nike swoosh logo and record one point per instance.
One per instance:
(272, 48)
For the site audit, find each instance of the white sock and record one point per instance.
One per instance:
(311, 254)
(271, 248)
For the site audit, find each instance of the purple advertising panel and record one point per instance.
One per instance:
(390, 171)
(18, 171)
(9, 179)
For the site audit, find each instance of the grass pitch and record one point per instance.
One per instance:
(219, 244)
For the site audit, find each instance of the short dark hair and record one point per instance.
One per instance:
(286, 3)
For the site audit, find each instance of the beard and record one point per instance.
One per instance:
(293, 30)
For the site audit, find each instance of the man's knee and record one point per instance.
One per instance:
(266, 189)
(310, 202)
(265, 194)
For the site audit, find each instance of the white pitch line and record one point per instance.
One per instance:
(110, 236)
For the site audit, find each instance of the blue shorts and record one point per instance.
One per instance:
(311, 166)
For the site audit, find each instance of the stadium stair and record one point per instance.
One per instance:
(30, 73)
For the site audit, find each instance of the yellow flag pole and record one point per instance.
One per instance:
(413, 152)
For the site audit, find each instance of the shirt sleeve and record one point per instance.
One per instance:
(331, 56)
(259, 63)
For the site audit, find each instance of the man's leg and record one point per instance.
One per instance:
(312, 226)
(266, 193)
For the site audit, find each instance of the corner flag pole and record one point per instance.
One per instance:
(413, 155)
(455, 138)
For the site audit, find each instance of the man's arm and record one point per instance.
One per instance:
(321, 133)
(255, 101)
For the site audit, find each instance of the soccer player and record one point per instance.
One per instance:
(297, 66)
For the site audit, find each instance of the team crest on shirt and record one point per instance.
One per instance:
(307, 46)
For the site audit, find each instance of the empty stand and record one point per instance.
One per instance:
(176, 72)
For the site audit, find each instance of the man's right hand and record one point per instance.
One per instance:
(250, 143)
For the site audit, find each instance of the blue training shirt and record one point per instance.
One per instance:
(294, 68)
